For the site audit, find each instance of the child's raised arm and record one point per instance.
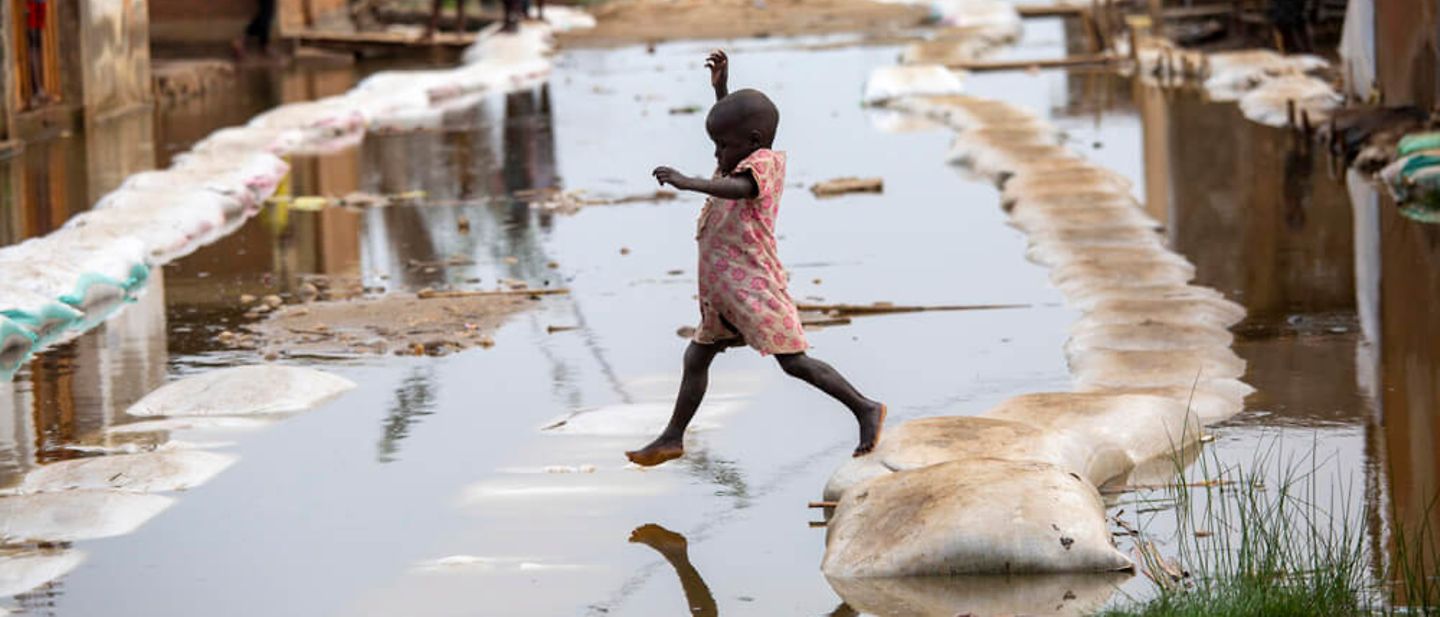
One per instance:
(740, 186)
(719, 65)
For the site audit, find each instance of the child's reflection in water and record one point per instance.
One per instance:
(673, 547)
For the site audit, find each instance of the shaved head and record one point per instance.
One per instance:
(741, 123)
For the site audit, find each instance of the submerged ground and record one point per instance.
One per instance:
(435, 488)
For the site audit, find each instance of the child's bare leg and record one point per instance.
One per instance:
(869, 414)
(671, 443)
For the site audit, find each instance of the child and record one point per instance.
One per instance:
(742, 284)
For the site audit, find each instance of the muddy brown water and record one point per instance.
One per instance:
(426, 490)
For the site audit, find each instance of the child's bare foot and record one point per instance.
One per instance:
(871, 423)
(657, 452)
(666, 542)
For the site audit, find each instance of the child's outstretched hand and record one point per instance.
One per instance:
(666, 175)
(719, 65)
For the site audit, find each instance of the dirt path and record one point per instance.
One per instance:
(650, 21)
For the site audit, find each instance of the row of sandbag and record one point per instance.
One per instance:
(60, 285)
(1271, 88)
(93, 497)
(1014, 490)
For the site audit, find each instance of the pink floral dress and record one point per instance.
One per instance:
(742, 284)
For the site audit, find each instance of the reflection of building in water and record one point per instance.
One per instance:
(462, 173)
(1404, 359)
(80, 387)
(1256, 211)
(529, 141)
(267, 255)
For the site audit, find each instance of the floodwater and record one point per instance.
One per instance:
(434, 488)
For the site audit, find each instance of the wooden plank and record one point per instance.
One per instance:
(1044, 10)
(1046, 63)
(326, 38)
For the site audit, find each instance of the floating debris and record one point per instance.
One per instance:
(841, 186)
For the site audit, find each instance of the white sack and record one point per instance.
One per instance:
(243, 390)
(149, 472)
(968, 517)
(894, 82)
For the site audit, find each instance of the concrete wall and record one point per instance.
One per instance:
(114, 41)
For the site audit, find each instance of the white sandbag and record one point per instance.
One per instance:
(1151, 369)
(566, 18)
(1124, 235)
(992, 20)
(167, 233)
(246, 139)
(259, 172)
(1064, 182)
(1001, 161)
(1233, 73)
(1114, 214)
(1115, 432)
(928, 441)
(149, 472)
(1087, 298)
(16, 343)
(188, 209)
(1269, 102)
(949, 596)
(243, 390)
(1211, 400)
(529, 42)
(894, 82)
(319, 122)
(1185, 311)
(494, 76)
(950, 110)
(896, 122)
(970, 145)
(28, 570)
(1076, 277)
(76, 515)
(105, 260)
(93, 294)
(1045, 168)
(44, 316)
(1058, 255)
(970, 517)
(1146, 336)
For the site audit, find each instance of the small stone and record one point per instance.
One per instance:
(247, 299)
(307, 292)
(624, 250)
(271, 356)
(553, 265)
(817, 281)
(272, 301)
(463, 224)
(511, 260)
(675, 272)
(485, 342)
